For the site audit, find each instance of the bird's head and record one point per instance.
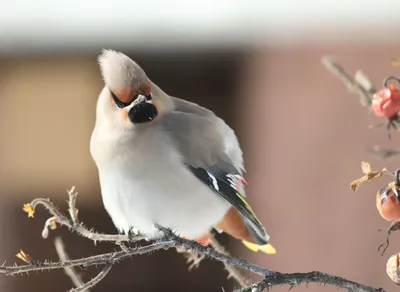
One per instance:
(128, 97)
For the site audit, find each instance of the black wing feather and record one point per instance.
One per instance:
(221, 183)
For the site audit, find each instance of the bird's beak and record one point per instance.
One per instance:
(140, 99)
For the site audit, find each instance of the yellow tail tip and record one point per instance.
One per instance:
(267, 248)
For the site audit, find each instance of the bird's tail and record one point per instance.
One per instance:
(260, 237)
(266, 248)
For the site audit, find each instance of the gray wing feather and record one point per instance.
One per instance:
(201, 147)
(207, 142)
(226, 152)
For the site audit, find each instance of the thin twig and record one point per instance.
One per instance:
(122, 246)
(49, 224)
(80, 228)
(100, 259)
(361, 78)
(70, 271)
(233, 272)
(382, 152)
(94, 281)
(393, 227)
(73, 211)
(362, 86)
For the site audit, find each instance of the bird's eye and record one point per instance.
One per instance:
(118, 102)
(149, 97)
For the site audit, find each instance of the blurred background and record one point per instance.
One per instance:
(257, 64)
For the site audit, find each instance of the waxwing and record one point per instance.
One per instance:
(166, 161)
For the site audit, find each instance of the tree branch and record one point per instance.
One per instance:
(73, 211)
(360, 84)
(233, 272)
(80, 228)
(169, 240)
(295, 279)
(70, 271)
(101, 259)
(100, 276)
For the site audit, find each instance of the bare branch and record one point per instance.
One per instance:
(49, 224)
(382, 152)
(273, 278)
(361, 78)
(295, 279)
(171, 240)
(94, 281)
(122, 246)
(73, 211)
(80, 228)
(100, 259)
(360, 85)
(100, 276)
(70, 271)
(233, 272)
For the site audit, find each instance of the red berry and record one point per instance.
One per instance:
(388, 203)
(388, 200)
(386, 102)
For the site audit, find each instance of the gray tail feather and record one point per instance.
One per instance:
(260, 236)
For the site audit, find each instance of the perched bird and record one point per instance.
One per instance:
(166, 161)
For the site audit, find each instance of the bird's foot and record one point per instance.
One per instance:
(192, 258)
(132, 233)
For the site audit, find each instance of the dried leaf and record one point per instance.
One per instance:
(24, 256)
(355, 184)
(369, 176)
(366, 167)
(28, 209)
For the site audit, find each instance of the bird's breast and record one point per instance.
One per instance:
(147, 183)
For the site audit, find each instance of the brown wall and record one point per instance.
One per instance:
(304, 137)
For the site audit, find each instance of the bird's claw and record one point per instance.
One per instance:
(132, 233)
(194, 259)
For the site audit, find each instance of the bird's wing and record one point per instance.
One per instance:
(211, 152)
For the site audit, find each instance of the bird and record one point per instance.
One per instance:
(166, 161)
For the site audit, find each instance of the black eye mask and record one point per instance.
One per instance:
(122, 104)
(119, 103)
(142, 113)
